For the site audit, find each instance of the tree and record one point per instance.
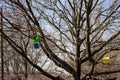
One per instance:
(79, 28)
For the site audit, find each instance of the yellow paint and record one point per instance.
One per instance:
(106, 60)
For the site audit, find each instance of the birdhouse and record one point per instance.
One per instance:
(78, 41)
(35, 38)
(106, 60)
(36, 46)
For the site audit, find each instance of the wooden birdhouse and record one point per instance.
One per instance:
(106, 60)
(36, 46)
(36, 38)
(78, 41)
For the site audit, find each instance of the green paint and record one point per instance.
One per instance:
(36, 38)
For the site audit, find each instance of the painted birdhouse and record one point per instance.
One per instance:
(35, 38)
(106, 60)
(36, 46)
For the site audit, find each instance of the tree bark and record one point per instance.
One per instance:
(2, 55)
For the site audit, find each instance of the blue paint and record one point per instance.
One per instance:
(36, 46)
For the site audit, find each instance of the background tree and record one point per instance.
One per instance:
(78, 27)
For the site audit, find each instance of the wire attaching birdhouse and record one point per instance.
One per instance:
(106, 60)
(36, 38)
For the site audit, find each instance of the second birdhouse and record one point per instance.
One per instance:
(106, 60)
(36, 46)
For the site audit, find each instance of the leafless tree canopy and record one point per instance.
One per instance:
(73, 33)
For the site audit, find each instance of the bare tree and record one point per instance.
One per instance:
(78, 26)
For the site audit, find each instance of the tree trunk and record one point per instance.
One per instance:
(2, 55)
(77, 61)
(26, 71)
